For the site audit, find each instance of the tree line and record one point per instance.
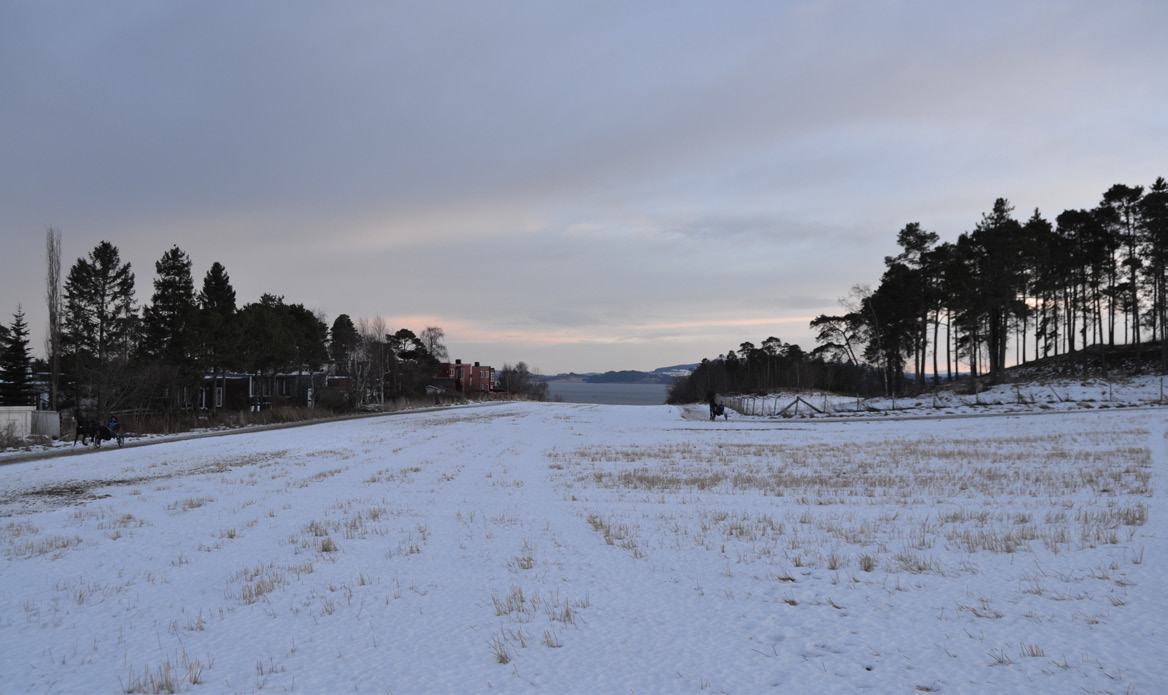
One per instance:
(1095, 278)
(773, 365)
(106, 354)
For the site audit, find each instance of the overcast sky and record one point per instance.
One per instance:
(582, 186)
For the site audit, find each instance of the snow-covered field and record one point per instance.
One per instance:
(576, 548)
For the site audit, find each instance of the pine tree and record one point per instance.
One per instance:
(938, 262)
(412, 365)
(309, 336)
(893, 313)
(265, 344)
(1036, 239)
(15, 387)
(1119, 211)
(343, 343)
(1154, 237)
(1000, 279)
(916, 245)
(100, 326)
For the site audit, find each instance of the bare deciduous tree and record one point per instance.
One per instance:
(53, 299)
(519, 381)
(369, 360)
(433, 338)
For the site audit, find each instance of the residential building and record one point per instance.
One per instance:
(471, 380)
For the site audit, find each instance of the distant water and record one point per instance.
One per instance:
(608, 394)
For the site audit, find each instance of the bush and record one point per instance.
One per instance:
(8, 438)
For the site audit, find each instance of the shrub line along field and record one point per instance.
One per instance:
(577, 548)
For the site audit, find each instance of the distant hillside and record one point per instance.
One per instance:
(628, 376)
(677, 370)
(661, 375)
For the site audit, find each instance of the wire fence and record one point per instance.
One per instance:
(1093, 394)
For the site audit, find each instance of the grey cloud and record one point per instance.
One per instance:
(544, 165)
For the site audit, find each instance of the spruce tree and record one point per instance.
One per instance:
(15, 387)
(167, 346)
(218, 337)
(167, 322)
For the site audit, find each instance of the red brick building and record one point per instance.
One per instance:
(471, 380)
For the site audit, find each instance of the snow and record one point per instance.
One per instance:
(597, 549)
(1048, 395)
